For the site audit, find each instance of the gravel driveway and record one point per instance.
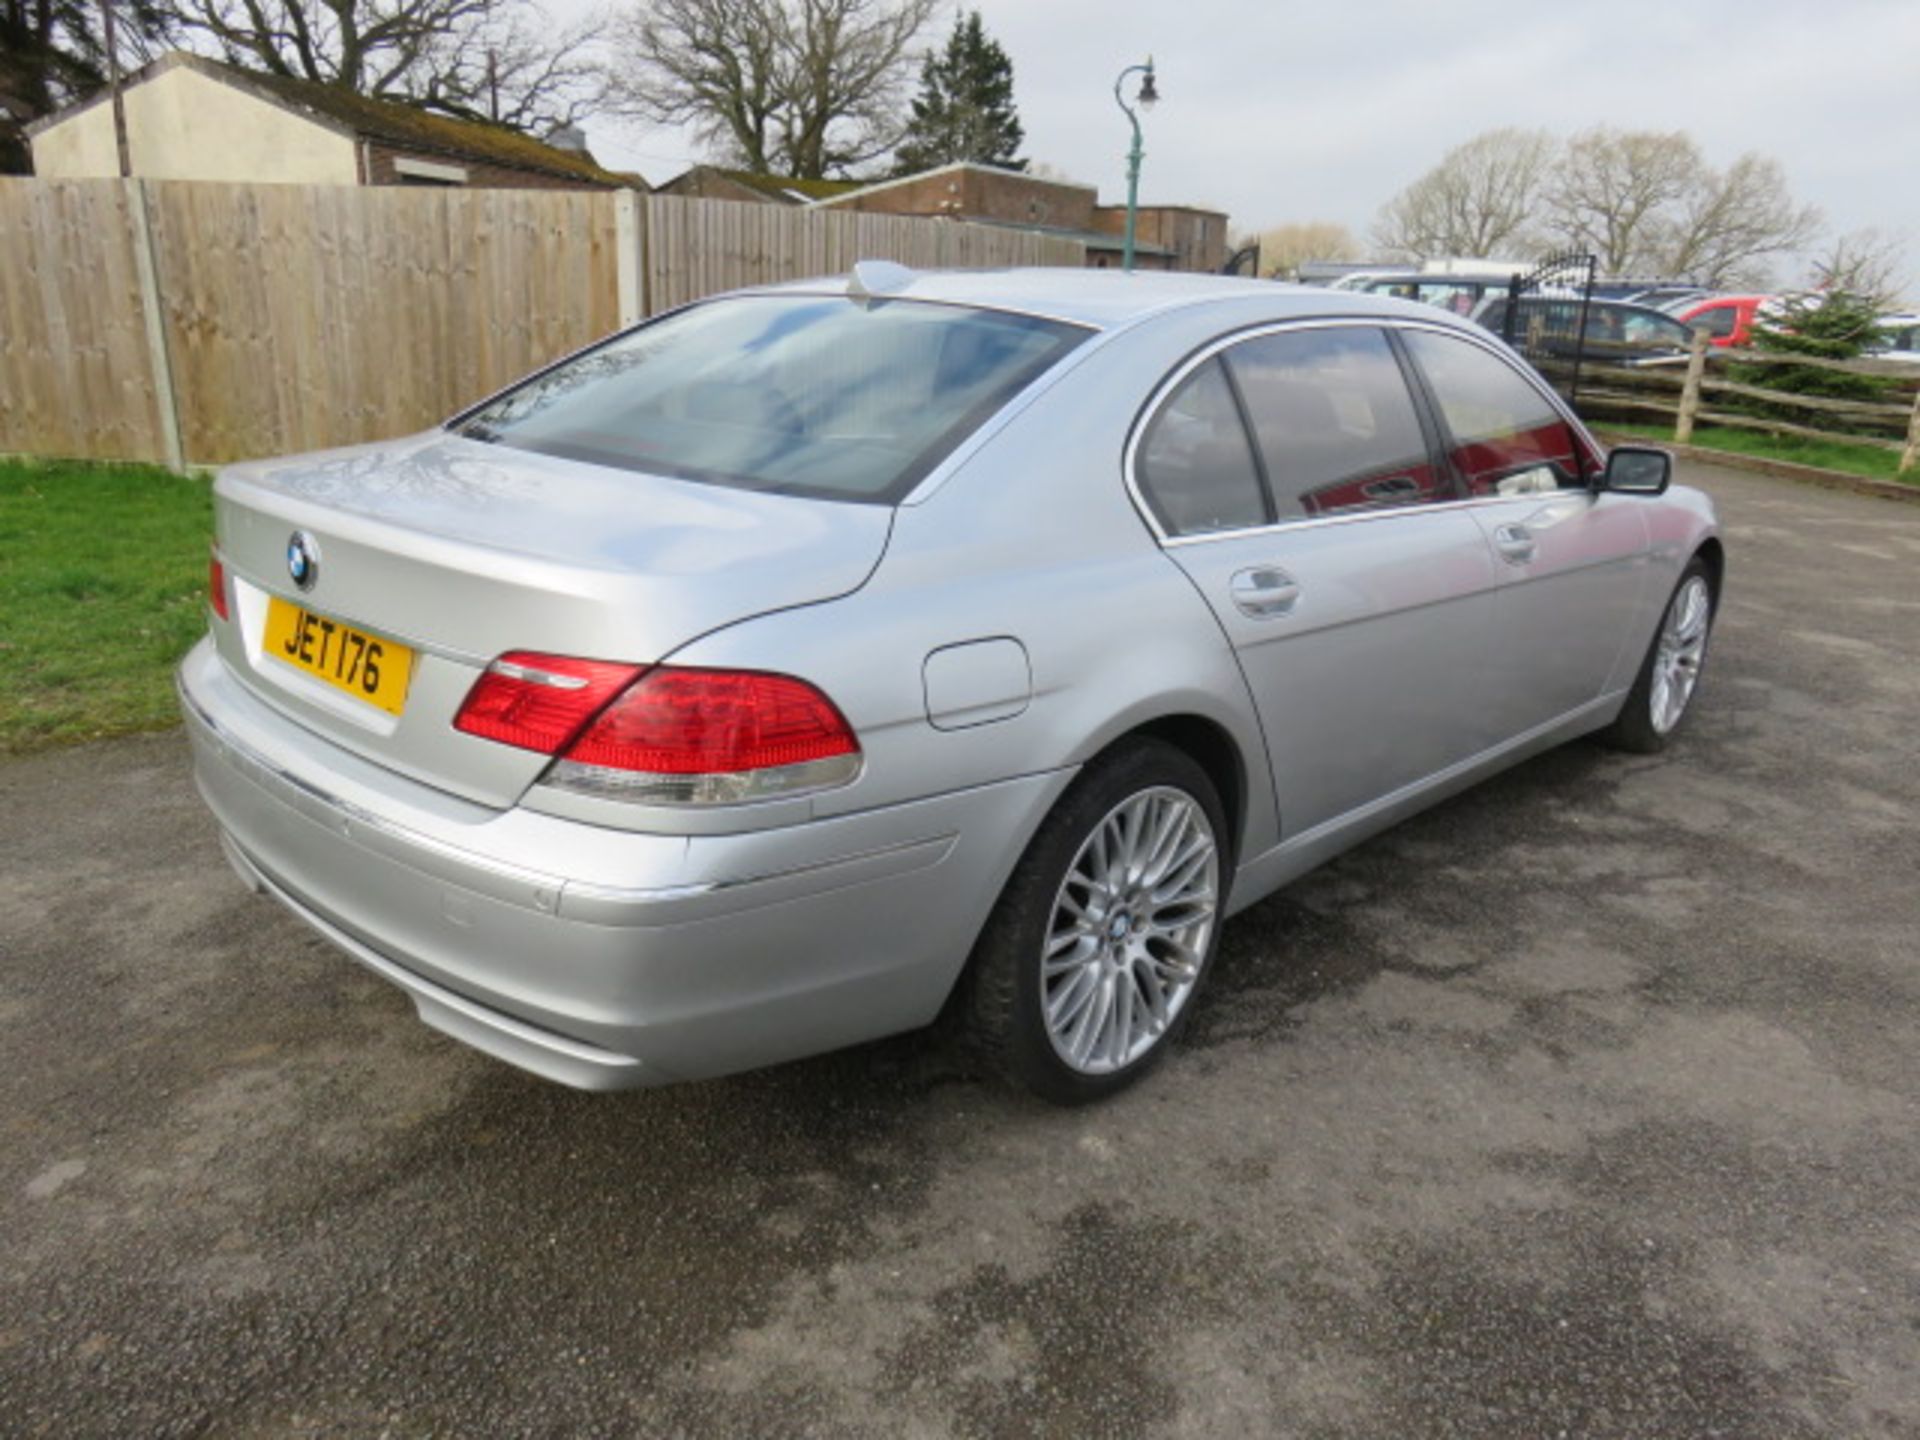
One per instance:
(1586, 1105)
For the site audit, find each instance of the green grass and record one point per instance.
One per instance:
(1867, 460)
(103, 578)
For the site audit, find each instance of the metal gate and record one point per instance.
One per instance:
(1546, 317)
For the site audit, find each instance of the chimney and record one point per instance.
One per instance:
(568, 137)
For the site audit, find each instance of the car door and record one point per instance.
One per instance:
(1571, 559)
(1290, 476)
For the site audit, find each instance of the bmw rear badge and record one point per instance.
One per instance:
(303, 559)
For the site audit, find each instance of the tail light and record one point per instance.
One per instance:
(539, 702)
(671, 735)
(217, 584)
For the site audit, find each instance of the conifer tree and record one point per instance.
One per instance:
(964, 110)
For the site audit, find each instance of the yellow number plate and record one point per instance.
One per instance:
(365, 666)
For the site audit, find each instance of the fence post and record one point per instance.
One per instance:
(159, 362)
(1910, 456)
(1690, 392)
(629, 261)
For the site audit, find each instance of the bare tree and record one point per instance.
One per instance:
(1284, 248)
(1481, 199)
(518, 71)
(494, 58)
(1614, 191)
(1728, 223)
(1868, 264)
(714, 64)
(1647, 202)
(795, 87)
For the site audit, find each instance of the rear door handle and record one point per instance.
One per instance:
(1515, 543)
(1264, 592)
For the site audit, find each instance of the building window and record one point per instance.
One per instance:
(427, 172)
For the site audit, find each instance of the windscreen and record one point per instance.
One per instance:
(805, 395)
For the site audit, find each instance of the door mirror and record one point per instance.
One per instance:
(1637, 470)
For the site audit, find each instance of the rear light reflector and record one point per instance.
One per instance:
(711, 737)
(217, 585)
(539, 702)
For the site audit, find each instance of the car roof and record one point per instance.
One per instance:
(1108, 299)
(1597, 302)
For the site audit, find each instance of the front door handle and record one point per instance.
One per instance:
(1515, 543)
(1264, 592)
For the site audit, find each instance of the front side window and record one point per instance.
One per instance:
(799, 394)
(1505, 438)
(1717, 322)
(1335, 426)
(1644, 328)
(1196, 468)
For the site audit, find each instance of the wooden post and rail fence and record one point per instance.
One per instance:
(1696, 396)
(188, 322)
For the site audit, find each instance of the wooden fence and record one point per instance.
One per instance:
(1696, 395)
(195, 323)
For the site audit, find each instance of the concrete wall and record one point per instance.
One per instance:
(181, 125)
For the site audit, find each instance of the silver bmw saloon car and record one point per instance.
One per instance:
(796, 664)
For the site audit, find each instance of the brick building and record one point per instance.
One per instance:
(190, 118)
(713, 182)
(1167, 237)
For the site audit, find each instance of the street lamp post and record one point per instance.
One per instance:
(1146, 98)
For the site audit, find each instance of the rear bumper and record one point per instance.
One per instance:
(604, 958)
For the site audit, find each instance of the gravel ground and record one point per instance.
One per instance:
(1584, 1105)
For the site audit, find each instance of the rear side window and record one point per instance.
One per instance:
(805, 395)
(1196, 466)
(1335, 426)
(1505, 438)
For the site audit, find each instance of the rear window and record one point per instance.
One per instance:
(804, 395)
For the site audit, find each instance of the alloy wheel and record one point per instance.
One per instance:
(1129, 930)
(1681, 651)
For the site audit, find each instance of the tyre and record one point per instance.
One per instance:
(1089, 963)
(1663, 691)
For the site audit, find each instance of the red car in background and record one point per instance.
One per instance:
(1727, 319)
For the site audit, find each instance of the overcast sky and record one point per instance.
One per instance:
(1285, 110)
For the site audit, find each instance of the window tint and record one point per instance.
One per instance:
(805, 395)
(1196, 466)
(1505, 438)
(1551, 318)
(1717, 322)
(1455, 299)
(1647, 327)
(1603, 324)
(1335, 425)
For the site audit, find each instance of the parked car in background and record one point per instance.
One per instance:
(1615, 332)
(1456, 294)
(1449, 283)
(739, 687)
(1665, 297)
(1727, 319)
(1897, 338)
